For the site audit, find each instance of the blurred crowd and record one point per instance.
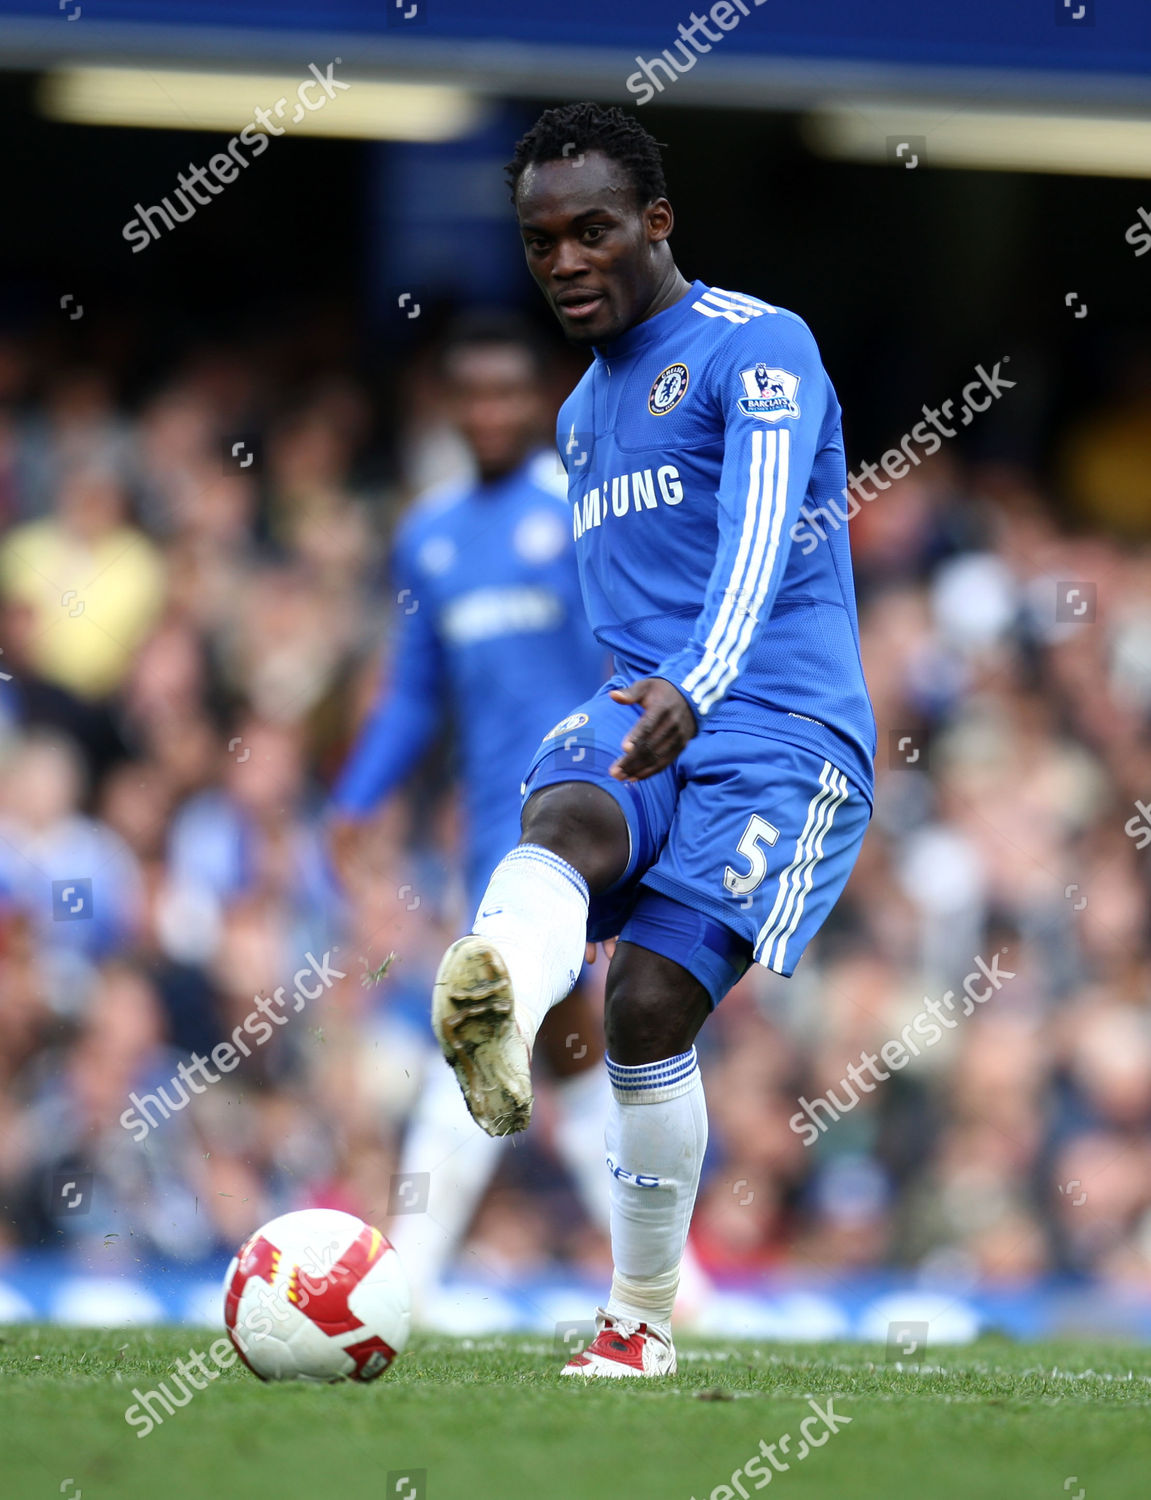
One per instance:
(193, 613)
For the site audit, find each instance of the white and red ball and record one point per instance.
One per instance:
(317, 1295)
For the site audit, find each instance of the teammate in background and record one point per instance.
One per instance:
(489, 623)
(726, 774)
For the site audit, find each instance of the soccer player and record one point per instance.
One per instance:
(489, 623)
(708, 804)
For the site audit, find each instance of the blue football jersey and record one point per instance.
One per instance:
(489, 621)
(691, 444)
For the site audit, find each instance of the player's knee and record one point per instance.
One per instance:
(653, 1008)
(584, 825)
(634, 1029)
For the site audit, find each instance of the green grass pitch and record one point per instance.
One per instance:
(489, 1419)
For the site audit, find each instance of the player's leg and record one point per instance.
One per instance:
(763, 839)
(571, 1041)
(526, 948)
(584, 838)
(657, 1125)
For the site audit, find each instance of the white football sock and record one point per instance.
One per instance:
(460, 1159)
(656, 1137)
(535, 913)
(582, 1104)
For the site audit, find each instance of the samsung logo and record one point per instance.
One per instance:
(644, 489)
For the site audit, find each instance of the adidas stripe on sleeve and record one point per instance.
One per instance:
(769, 382)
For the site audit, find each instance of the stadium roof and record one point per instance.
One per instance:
(1069, 53)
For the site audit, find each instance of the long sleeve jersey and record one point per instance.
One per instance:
(691, 444)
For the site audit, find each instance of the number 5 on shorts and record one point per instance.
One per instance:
(757, 833)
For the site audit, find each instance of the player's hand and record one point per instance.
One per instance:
(665, 728)
(608, 948)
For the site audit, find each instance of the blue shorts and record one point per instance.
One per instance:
(739, 849)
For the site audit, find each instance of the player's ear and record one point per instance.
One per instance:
(659, 219)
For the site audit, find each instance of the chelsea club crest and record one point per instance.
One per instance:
(567, 726)
(667, 390)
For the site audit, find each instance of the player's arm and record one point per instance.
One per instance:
(403, 720)
(766, 470)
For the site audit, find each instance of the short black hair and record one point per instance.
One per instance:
(571, 129)
(481, 327)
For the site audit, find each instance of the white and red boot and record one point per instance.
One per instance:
(623, 1348)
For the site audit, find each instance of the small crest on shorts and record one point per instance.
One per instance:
(565, 726)
(770, 394)
(667, 390)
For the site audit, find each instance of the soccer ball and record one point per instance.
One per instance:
(317, 1295)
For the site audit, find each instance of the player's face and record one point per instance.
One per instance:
(496, 403)
(591, 248)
